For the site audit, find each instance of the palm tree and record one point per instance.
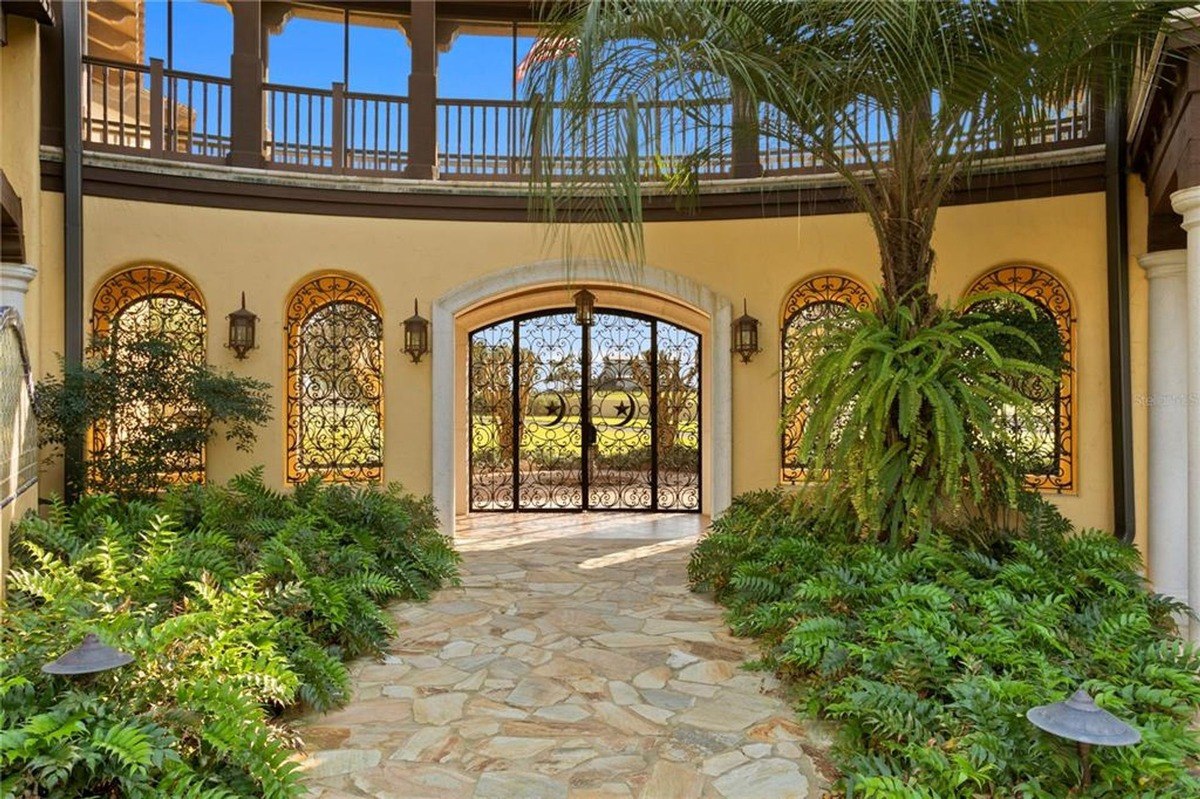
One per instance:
(901, 98)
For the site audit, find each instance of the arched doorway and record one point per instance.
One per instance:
(598, 417)
(532, 288)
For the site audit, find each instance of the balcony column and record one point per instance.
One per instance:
(246, 70)
(422, 92)
(1167, 484)
(1186, 203)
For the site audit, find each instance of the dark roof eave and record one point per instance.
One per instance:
(39, 10)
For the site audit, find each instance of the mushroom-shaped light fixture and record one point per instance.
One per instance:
(1078, 719)
(90, 657)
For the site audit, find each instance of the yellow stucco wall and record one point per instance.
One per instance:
(20, 121)
(226, 252)
(20, 131)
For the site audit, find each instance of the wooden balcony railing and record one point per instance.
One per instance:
(300, 128)
(187, 116)
(166, 113)
(483, 138)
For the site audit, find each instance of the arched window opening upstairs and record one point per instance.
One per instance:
(1047, 438)
(334, 382)
(134, 305)
(818, 298)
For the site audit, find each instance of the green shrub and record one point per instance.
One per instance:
(930, 656)
(160, 403)
(238, 603)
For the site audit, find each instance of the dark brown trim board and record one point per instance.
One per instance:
(73, 232)
(767, 200)
(1165, 149)
(38, 10)
(1116, 219)
(12, 230)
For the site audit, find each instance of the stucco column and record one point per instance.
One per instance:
(1168, 421)
(14, 285)
(1187, 204)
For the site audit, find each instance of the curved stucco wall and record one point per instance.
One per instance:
(266, 253)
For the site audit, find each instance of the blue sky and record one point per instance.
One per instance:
(309, 53)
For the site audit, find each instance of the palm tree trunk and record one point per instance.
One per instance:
(905, 217)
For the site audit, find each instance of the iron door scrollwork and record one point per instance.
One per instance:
(620, 395)
(547, 374)
(677, 418)
(570, 418)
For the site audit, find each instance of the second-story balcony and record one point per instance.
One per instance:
(247, 120)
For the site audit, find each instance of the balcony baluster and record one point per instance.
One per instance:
(172, 114)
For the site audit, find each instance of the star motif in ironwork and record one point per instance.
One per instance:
(553, 408)
(622, 408)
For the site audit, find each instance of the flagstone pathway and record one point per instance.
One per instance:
(572, 662)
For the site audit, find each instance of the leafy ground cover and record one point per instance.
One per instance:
(239, 605)
(928, 657)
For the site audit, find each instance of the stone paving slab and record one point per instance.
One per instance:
(563, 668)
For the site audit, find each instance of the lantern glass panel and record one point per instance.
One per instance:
(241, 332)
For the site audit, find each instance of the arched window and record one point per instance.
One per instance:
(817, 298)
(1047, 439)
(135, 305)
(334, 381)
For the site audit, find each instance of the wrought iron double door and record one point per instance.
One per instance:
(603, 417)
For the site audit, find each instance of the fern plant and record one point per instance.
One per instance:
(904, 413)
(929, 656)
(190, 712)
(238, 603)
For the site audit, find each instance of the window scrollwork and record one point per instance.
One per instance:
(1047, 435)
(18, 429)
(334, 382)
(818, 298)
(134, 305)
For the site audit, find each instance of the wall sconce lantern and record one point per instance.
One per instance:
(1078, 719)
(241, 330)
(90, 657)
(745, 335)
(585, 308)
(416, 335)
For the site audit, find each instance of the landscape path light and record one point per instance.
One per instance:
(91, 657)
(1079, 719)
